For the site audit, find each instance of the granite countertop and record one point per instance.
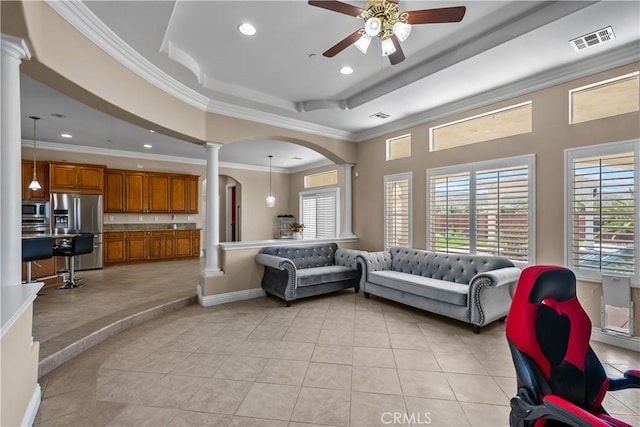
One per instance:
(149, 226)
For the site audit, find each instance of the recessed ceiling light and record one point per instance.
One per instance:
(66, 135)
(148, 146)
(346, 70)
(247, 29)
(152, 131)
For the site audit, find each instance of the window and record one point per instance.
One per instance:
(319, 213)
(483, 208)
(397, 210)
(604, 99)
(601, 210)
(321, 179)
(399, 147)
(513, 120)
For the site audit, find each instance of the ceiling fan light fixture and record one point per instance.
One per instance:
(373, 26)
(401, 30)
(387, 47)
(363, 43)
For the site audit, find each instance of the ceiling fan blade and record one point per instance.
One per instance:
(397, 56)
(342, 44)
(437, 16)
(337, 6)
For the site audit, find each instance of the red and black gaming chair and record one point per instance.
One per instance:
(560, 379)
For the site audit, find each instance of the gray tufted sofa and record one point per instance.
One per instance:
(292, 272)
(471, 288)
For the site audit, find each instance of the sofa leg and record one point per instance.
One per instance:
(288, 303)
(357, 289)
(503, 319)
(366, 295)
(476, 329)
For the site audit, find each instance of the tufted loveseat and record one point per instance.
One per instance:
(471, 288)
(292, 272)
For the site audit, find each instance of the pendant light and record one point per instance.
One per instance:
(271, 200)
(35, 185)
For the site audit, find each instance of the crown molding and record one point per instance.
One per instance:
(314, 165)
(88, 24)
(69, 148)
(624, 55)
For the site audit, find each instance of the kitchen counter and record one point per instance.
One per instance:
(149, 227)
(53, 236)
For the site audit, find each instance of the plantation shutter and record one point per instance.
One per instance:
(502, 212)
(319, 214)
(603, 213)
(397, 212)
(449, 218)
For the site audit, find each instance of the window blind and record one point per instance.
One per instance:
(449, 219)
(397, 211)
(319, 214)
(603, 211)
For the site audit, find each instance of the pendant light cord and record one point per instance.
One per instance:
(34, 143)
(270, 175)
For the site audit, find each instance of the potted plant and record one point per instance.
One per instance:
(296, 228)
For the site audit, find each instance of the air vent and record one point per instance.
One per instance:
(380, 115)
(592, 39)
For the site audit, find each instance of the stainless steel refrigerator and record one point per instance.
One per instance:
(79, 213)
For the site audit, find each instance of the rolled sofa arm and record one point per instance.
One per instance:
(272, 282)
(348, 257)
(490, 294)
(373, 261)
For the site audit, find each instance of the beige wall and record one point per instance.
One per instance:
(18, 370)
(551, 135)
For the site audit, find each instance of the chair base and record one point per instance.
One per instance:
(76, 282)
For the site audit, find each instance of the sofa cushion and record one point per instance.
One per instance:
(327, 274)
(452, 293)
(456, 268)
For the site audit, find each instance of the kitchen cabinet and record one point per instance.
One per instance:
(158, 193)
(114, 200)
(113, 247)
(178, 193)
(135, 192)
(140, 246)
(150, 192)
(136, 244)
(42, 173)
(76, 178)
(192, 194)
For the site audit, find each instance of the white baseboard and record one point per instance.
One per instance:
(630, 343)
(32, 408)
(210, 300)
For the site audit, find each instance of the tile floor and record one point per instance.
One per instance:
(336, 360)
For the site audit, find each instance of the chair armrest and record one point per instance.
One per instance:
(347, 257)
(273, 261)
(552, 408)
(631, 380)
(500, 277)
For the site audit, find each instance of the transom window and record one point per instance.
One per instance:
(319, 213)
(602, 202)
(399, 147)
(483, 208)
(604, 99)
(397, 210)
(321, 179)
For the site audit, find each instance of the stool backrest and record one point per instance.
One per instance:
(37, 248)
(82, 244)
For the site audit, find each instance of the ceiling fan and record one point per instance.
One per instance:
(383, 19)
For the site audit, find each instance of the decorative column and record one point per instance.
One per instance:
(12, 51)
(213, 209)
(346, 202)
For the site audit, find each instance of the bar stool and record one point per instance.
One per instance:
(35, 249)
(79, 245)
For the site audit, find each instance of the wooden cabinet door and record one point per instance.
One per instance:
(155, 245)
(114, 191)
(136, 195)
(178, 193)
(182, 244)
(62, 177)
(42, 174)
(192, 194)
(136, 244)
(158, 193)
(91, 178)
(113, 247)
(195, 243)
